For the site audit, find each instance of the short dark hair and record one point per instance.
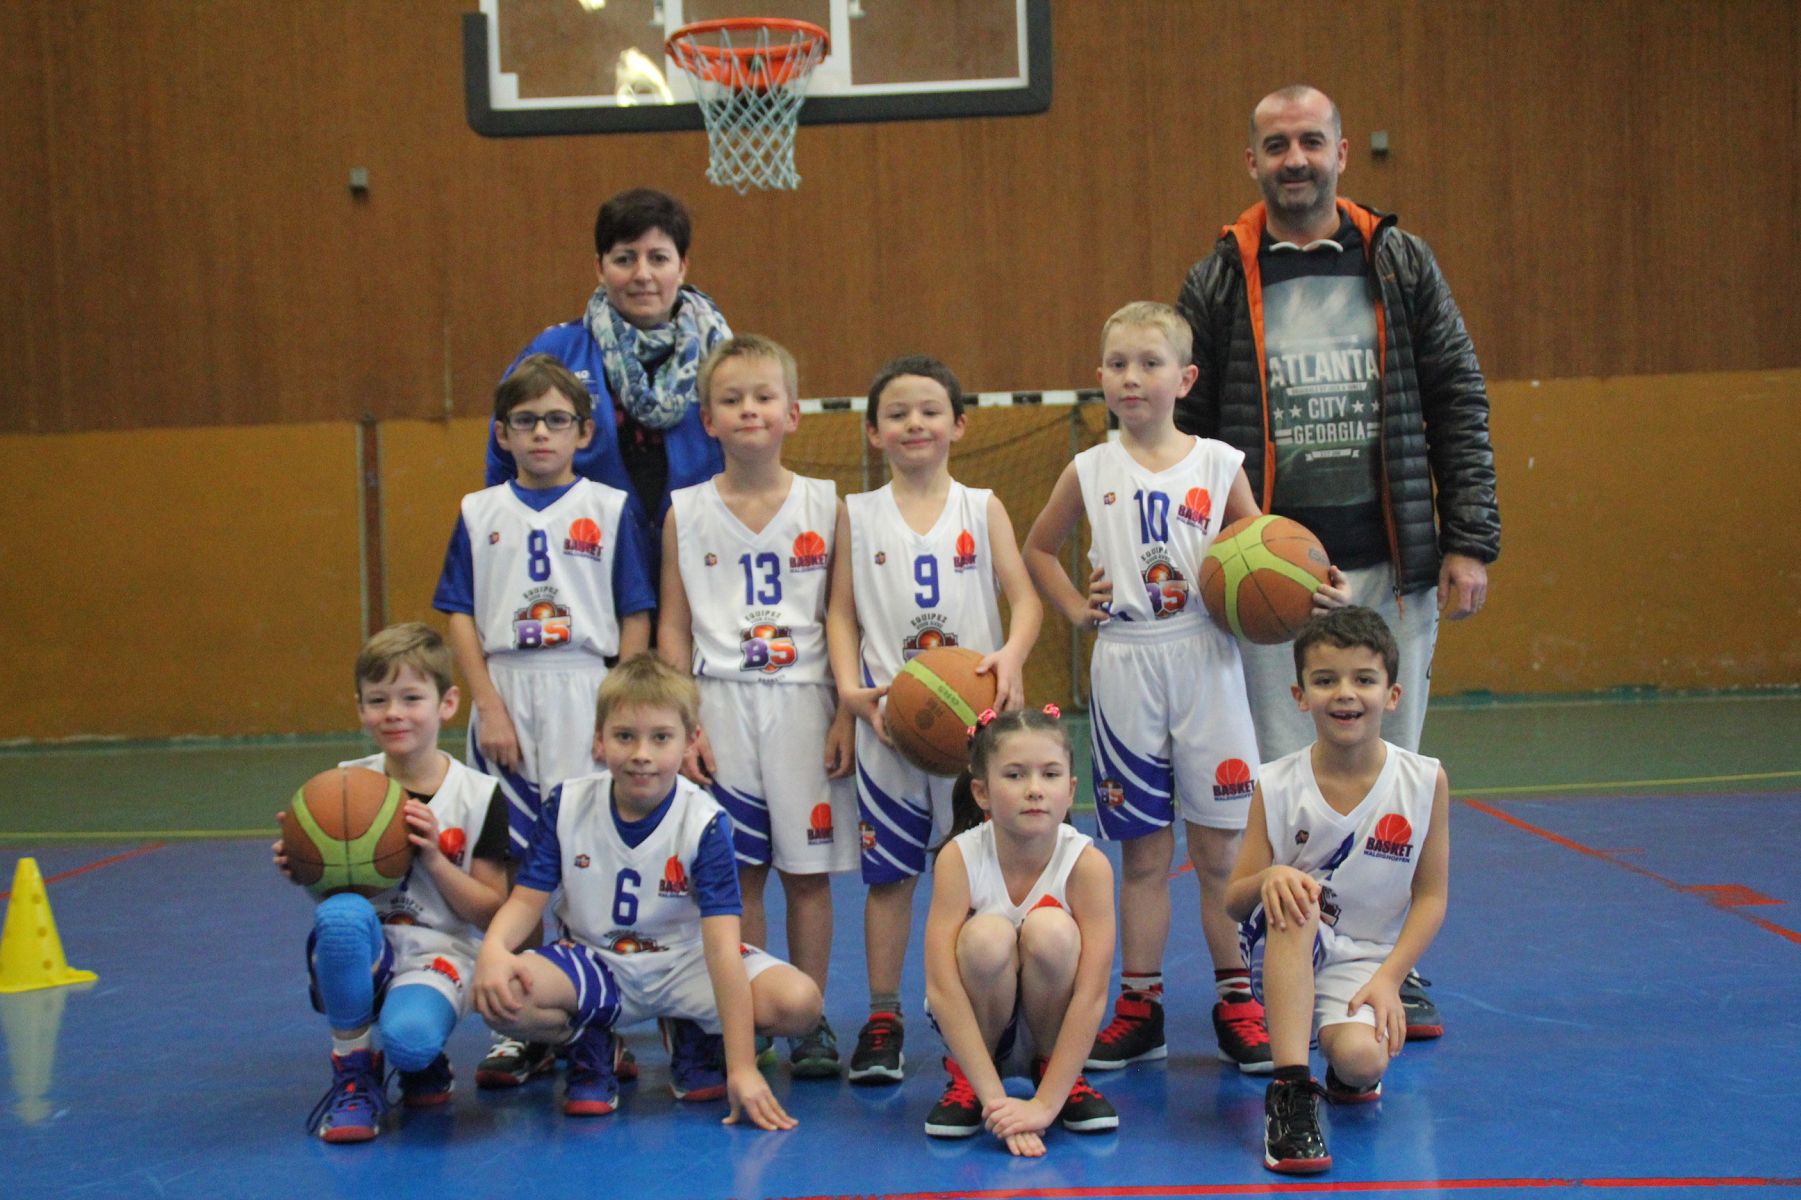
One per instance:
(1347, 628)
(1296, 91)
(535, 375)
(632, 214)
(926, 367)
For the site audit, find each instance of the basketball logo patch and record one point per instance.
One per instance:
(583, 540)
(809, 553)
(1232, 780)
(1391, 839)
(675, 878)
(966, 552)
(1196, 509)
(819, 825)
(452, 844)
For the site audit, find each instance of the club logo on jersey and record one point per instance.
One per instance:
(452, 843)
(1109, 498)
(1046, 902)
(1165, 588)
(880, 558)
(494, 538)
(446, 968)
(630, 941)
(712, 560)
(866, 835)
(809, 553)
(1110, 793)
(543, 623)
(1196, 509)
(928, 633)
(1232, 780)
(965, 557)
(675, 878)
(767, 647)
(583, 539)
(819, 826)
(399, 918)
(582, 861)
(1392, 839)
(1300, 837)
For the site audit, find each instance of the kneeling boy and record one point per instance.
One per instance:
(647, 914)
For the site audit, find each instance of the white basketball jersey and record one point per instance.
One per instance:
(916, 591)
(1365, 859)
(1152, 529)
(757, 600)
(544, 580)
(988, 887)
(630, 900)
(461, 806)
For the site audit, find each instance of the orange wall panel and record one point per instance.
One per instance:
(180, 581)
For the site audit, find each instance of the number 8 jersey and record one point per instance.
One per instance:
(545, 580)
(1152, 529)
(757, 600)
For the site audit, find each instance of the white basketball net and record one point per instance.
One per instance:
(750, 94)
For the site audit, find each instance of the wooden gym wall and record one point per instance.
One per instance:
(1611, 188)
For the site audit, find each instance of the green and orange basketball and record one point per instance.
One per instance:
(931, 705)
(345, 831)
(1259, 578)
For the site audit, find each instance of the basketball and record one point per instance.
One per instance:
(931, 705)
(345, 831)
(1259, 578)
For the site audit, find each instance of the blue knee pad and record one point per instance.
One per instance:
(416, 1021)
(345, 953)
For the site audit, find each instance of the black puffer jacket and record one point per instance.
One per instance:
(1434, 403)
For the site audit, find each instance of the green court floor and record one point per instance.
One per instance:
(1583, 747)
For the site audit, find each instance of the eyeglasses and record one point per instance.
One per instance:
(556, 421)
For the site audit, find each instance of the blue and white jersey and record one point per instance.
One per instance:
(918, 591)
(541, 571)
(757, 600)
(1151, 530)
(461, 806)
(1364, 859)
(639, 888)
(988, 886)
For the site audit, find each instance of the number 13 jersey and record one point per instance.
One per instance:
(756, 601)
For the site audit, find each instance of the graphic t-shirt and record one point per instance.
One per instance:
(1319, 335)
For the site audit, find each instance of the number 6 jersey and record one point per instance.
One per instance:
(757, 600)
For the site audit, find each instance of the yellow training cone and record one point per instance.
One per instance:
(31, 955)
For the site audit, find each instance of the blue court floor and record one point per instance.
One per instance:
(1620, 976)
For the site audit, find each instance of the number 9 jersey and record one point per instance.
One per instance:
(757, 600)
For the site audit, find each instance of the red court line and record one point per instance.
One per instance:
(108, 861)
(1344, 1186)
(1687, 889)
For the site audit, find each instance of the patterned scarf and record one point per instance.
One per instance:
(652, 372)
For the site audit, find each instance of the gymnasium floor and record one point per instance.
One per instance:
(1620, 976)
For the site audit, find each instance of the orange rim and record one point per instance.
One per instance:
(716, 63)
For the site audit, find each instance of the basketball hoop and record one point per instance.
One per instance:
(750, 75)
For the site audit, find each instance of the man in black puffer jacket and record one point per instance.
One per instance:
(1332, 354)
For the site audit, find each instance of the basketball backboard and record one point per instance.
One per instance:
(597, 66)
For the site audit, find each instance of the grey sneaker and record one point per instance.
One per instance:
(814, 1056)
(1423, 1019)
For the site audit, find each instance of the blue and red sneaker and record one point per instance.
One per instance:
(592, 1088)
(430, 1087)
(353, 1108)
(696, 1061)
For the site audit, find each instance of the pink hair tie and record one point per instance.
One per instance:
(988, 714)
(1052, 711)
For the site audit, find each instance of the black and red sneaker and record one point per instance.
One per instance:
(1340, 1092)
(958, 1114)
(878, 1057)
(1243, 1036)
(1134, 1035)
(1423, 1019)
(1293, 1142)
(1086, 1110)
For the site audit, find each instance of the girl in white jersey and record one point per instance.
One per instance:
(1341, 883)
(1019, 940)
